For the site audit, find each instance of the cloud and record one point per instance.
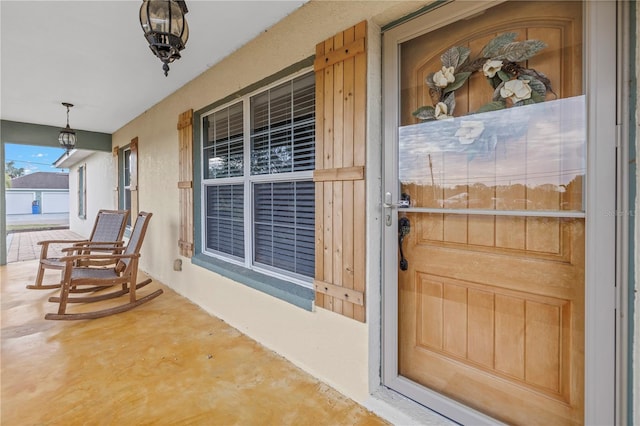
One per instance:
(40, 155)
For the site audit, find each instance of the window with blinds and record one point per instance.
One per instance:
(284, 226)
(225, 219)
(269, 169)
(223, 148)
(283, 128)
(125, 201)
(82, 191)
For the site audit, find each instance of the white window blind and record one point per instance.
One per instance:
(277, 182)
(223, 148)
(284, 226)
(283, 128)
(225, 219)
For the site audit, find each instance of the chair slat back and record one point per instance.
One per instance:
(137, 236)
(109, 225)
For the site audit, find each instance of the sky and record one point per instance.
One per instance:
(33, 158)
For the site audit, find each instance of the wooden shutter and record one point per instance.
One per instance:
(185, 183)
(341, 76)
(133, 182)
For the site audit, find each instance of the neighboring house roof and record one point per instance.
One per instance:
(42, 180)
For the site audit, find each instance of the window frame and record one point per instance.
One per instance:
(125, 152)
(82, 191)
(248, 180)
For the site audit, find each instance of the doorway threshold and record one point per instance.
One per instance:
(400, 410)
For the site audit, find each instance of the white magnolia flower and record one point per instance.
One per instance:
(516, 90)
(490, 68)
(469, 131)
(441, 110)
(443, 77)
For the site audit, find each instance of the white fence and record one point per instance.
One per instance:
(21, 201)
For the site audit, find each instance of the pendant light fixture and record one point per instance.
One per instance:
(165, 28)
(67, 136)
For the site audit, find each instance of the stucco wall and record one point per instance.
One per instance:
(100, 167)
(328, 345)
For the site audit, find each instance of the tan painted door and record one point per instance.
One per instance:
(491, 304)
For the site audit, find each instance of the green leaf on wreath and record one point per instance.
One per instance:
(492, 106)
(496, 44)
(450, 102)
(425, 113)
(455, 57)
(524, 102)
(450, 58)
(464, 55)
(494, 81)
(537, 97)
(536, 85)
(519, 51)
(461, 78)
(504, 76)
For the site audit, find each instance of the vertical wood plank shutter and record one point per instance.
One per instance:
(133, 173)
(341, 76)
(185, 183)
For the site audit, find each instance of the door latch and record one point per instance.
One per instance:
(405, 201)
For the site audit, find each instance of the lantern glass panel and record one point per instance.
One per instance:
(185, 33)
(144, 18)
(176, 19)
(159, 16)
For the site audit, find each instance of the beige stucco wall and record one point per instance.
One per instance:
(333, 348)
(99, 166)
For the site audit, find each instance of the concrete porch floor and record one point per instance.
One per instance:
(165, 362)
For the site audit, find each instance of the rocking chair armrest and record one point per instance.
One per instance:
(107, 251)
(99, 243)
(96, 246)
(83, 251)
(47, 242)
(114, 257)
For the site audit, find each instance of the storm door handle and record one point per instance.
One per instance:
(404, 227)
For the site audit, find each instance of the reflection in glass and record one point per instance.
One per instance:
(526, 158)
(223, 146)
(283, 128)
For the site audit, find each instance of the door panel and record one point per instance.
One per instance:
(491, 307)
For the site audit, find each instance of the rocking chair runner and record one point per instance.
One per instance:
(124, 272)
(108, 227)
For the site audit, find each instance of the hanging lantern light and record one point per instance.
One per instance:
(165, 28)
(67, 136)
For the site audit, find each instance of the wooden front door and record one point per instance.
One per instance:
(491, 288)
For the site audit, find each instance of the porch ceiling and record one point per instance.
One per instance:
(93, 54)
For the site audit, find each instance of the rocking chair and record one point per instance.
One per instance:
(124, 272)
(108, 227)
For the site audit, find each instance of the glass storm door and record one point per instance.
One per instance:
(489, 209)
